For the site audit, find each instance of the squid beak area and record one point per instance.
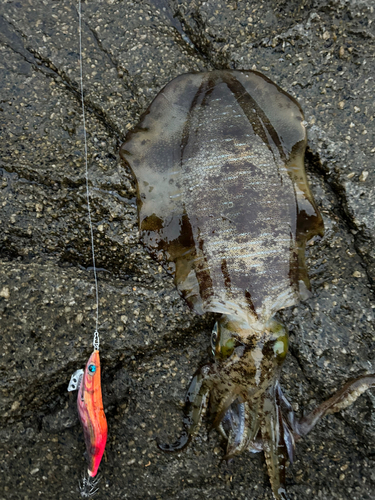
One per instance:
(263, 423)
(243, 428)
(202, 386)
(250, 421)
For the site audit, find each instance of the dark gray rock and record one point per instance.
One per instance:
(320, 52)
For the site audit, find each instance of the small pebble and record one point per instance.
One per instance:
(5, 292)
(363, 176)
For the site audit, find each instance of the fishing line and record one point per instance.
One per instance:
(96, 333)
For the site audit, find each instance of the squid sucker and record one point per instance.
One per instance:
(224, 203)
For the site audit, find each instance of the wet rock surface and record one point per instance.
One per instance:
(321, 53)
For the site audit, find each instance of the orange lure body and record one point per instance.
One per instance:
(91, 413)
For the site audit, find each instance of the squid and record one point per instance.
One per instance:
(224, 204)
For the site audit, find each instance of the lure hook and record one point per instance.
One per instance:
(88, 487)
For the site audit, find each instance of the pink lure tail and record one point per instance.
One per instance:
(91, 413)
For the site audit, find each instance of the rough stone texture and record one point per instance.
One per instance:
(322, 52)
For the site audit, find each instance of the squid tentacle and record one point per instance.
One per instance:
(340, 400)
(289, 440)
(195, 406)
(286, 409)
(223, 408)
(288, 420)
(274, 447)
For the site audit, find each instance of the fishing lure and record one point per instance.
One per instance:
(223, 201)
(91, 413)
(92, 418)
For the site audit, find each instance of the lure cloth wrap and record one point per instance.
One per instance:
(91, 413)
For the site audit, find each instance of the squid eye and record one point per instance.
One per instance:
(279, 339)
(280, 347)
(225, 337)
(227, 349)
(92, 368)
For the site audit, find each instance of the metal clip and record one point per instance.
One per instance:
(75, 380)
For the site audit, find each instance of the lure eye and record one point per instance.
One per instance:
(92, 368)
